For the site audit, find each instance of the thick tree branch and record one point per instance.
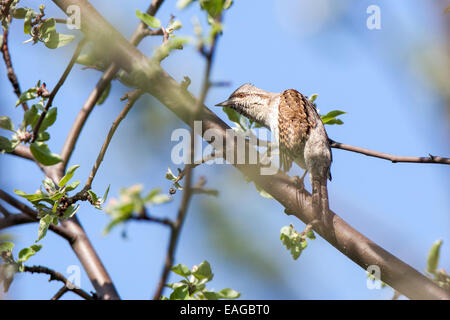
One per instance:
(390, 157)
(54, 275)
(155, 81)
(15, 220)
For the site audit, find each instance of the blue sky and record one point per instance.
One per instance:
(381, 78)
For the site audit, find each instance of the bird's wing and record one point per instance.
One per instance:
(295, 120)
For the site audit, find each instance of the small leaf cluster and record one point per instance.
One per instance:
(175, 179)
(11, 266)
(54, 204)
(173, 42)
(329, 118)
(52, 201)
(213, 9)
(132, 203)
(41, 30)
(193, 286)
(24, 132)
(294, 241)
(439, 276)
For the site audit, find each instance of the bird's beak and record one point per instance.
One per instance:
(223, 104)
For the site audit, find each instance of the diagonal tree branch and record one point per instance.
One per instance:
(132, 98)
(7, 56)
(57, 87)
(349, 241)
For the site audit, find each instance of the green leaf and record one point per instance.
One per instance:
(55, 40)
(6, 246)
(181, 270)
(170, 176)
(174, 25)
(180, 293)
(181, 4)
(203, 271)
(5, 144)
(149, 20)
(433, 256)
(6, 123)
(292, 240)
(313, 97)
(155, 197)
(30, 197)
(27, 22)
(228, 293)
(210, 295)
(72, 186)
(232, 115)
(43, 155)
(43, 136)
(167, 47)
(330, 117)
(70, 212)
(27, 95)
(105, 195)
(227, 4)
(30, 116)
(104, 95)
(93, 196)
(19, 13)
(310, 235)
(44, 223)
(26, 253)
(48, 26)
(213, 7)
(49, 119)
(68, 176)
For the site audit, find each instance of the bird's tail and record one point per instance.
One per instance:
(320, 203)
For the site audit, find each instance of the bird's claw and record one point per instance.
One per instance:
(300, 181)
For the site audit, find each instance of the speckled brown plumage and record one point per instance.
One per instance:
(295, 120)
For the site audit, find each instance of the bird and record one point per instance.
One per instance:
(298, 131)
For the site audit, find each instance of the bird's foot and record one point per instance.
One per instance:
(300, 182)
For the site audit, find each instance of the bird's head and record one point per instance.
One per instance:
(249, 101)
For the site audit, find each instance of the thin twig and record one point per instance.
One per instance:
(132, 98)
(175, 233)
(60, 293)
(390, 157)
(144, 216)
(54, 275)
(57, 87)
(7, 58)
(5, 212)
